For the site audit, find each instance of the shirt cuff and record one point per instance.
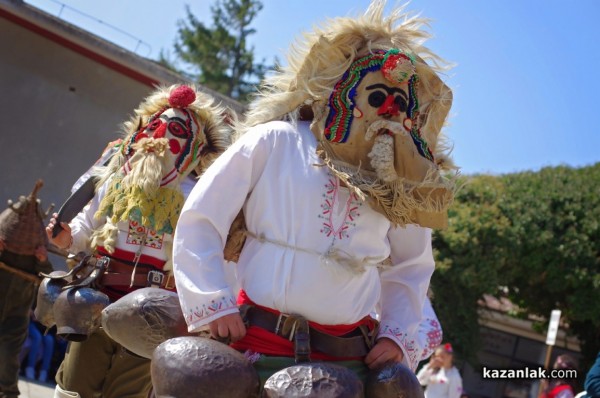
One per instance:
(408, 345)
(203, 314)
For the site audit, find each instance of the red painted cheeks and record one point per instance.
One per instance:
(159, 128)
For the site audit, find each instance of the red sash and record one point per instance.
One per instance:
(266, 342)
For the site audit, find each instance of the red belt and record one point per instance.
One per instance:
(354, 344)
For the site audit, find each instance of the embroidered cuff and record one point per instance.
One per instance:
(407, 345)
(430, 335)
(203, 314)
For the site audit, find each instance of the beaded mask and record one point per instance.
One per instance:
(175, 132)
(372, 135)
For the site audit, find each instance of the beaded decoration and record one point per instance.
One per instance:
(396, 66)
(180, 98)
(341, 100)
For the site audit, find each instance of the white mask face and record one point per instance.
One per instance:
(175, 136)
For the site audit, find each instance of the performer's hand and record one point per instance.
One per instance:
(41, 253)
(230, 326)
(384, 351)
(63, 239)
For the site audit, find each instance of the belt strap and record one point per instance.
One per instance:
(117, 273)
(351, 346)
(140, 279)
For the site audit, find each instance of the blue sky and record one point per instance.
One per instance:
(524, 84)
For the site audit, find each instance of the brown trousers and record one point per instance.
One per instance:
(100, 368)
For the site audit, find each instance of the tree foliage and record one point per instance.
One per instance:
(219, 55)
(533, 236)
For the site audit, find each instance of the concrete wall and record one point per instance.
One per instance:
(64, 94)
(59, 109)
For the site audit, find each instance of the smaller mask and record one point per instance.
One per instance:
(174, 133)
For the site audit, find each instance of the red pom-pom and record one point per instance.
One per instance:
(182, 97)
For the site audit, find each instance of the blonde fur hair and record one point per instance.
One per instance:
(209, 114)
(320, 58)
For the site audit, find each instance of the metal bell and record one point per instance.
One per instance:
(393, 380)
(48, 292)
(77, 312)
(199, 367)
(143, 319)
(314, 380)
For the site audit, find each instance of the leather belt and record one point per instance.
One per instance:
(354, 344)
(119, 274)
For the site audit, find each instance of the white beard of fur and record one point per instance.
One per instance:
(382, 158)
(147, 172)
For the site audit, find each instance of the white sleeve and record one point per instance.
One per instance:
(424, 375)
(84, 224)
(404, 289)
(204, 223)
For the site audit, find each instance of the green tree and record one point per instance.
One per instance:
(555, 214)
(219, 56)
(471, 255)
(533, 236)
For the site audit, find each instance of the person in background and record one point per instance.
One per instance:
(43, 341)
(440, 377)
(592, 380)
(564, 387)
(23, 255)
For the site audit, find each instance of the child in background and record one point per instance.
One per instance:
(439, 377)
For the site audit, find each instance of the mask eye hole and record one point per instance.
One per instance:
(177, 130)
(401, 102)
(377, 98)
(154, 125)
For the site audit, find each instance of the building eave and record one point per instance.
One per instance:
(102, 51)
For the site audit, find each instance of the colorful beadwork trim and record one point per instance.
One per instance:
(341, 100)
(397, 66)
(192, 147)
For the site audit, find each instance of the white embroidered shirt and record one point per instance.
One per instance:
(300, 212)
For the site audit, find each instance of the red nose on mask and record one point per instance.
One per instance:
(389, 107)
(160, 131)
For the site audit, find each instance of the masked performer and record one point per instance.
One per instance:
(131, 219)
(339, 173)
(23, 255)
